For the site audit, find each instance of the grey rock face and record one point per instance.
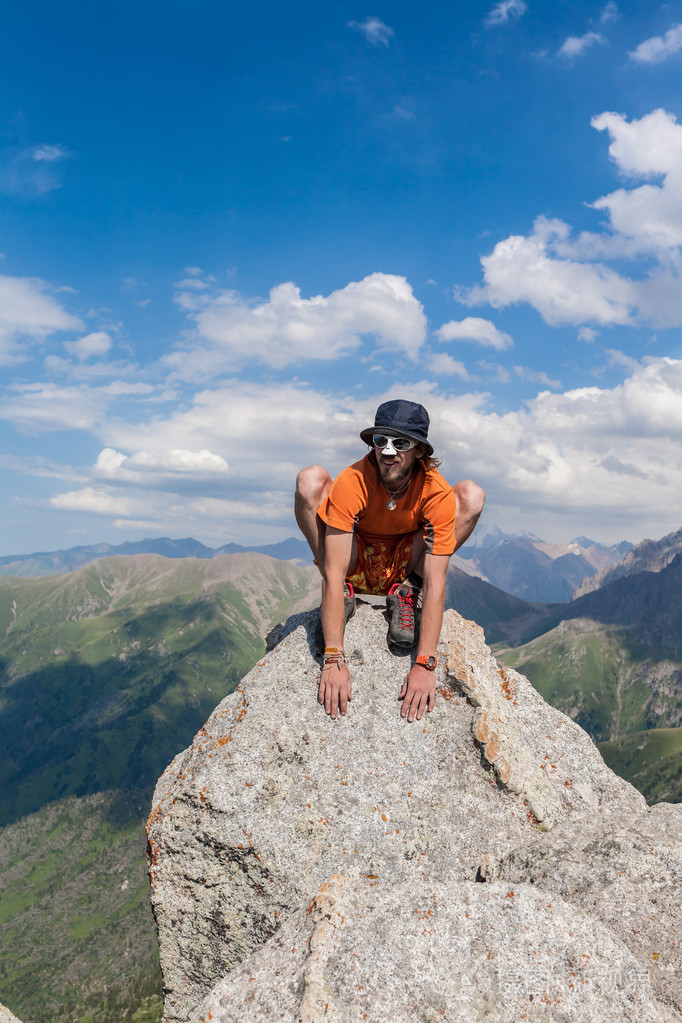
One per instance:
(370, 950)
(396, 822)
(6, 1016)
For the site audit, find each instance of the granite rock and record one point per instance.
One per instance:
(458, 951)
(6, 1016)
(274, 799)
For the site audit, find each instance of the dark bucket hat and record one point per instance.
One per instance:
(400, 418)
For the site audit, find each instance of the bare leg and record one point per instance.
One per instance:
(416, 562)
(470, 501)
(312, 486)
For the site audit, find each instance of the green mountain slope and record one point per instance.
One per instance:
(591, 673)
(78, 938)
(614, 659)
(105, 674)
(651, 760)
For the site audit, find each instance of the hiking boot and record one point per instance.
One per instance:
(348, 612)
(401, 603)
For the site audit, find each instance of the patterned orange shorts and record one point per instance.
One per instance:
(382, 561)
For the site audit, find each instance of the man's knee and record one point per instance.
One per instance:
(470, 498)
(312, 484)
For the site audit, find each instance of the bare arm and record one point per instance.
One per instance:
(419, 688)
(335, 680)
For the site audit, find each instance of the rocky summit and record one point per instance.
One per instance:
(482, 864)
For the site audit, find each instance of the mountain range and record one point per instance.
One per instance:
(56, 562)
(522, 564)
(530, 568)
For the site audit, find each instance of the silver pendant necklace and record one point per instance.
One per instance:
(391, 503)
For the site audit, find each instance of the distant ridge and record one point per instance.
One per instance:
(648, 556)
(535, 570)
(522, 565)
(40, 563)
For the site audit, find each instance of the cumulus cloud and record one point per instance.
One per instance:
(97, 343)
(567, 278)
(101, 502)
(28, 314)
(473, 328)
(659, 48)
(575, 46)
(564, 453)
(113, 464)
(505, 10)
(570, 456)
(374, 31)
(524, 269)
(288, 328)
(442, 364)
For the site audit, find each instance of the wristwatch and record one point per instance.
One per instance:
(429, 662)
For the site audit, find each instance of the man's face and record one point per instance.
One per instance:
(395, 467)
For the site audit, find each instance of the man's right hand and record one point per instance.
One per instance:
(335, 688)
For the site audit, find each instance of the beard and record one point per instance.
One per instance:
(395, 476)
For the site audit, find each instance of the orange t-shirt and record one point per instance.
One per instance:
(357, 501)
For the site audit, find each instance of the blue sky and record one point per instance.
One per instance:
(227, 235)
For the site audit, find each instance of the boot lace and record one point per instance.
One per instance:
(407, 601)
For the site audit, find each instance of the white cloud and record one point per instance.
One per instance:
(374, 31)
(569, 456)
(101, 502)
(442, 364)
(503, 11)
(575, 46)
(567, 278)
(30, 171)
(150, 524)
(113, 464)
(659, 48)
(402, 114)
(97, 343)
(588, 335)
(473, 328)
(121, 388)
(523, 269)
(39, 407)
(191, 282)
(48, 153)
(574, 454)
(536, 377)
(609, 14)
(500, 374)
(618, 358)
(288, 328)
(28, 313)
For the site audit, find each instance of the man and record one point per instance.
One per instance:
(384, 525)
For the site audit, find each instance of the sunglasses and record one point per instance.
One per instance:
(399, 443)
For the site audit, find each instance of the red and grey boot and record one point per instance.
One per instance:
(402, 602)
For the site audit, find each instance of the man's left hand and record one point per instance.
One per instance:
(418, 692)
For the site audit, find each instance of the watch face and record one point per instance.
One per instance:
(431, 662)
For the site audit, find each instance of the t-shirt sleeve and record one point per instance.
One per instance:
(438, 521)
(345, 500)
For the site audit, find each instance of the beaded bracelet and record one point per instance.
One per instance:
(333, 655)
